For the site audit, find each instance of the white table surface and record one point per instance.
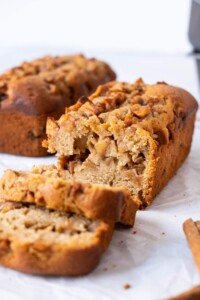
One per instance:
(156, 261)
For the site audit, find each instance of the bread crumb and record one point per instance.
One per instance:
(105, 269)
(114, 265)
(121, 242)
(163, 233)
(134, 232)
(127, 286)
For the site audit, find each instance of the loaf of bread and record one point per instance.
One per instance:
(133, 135)
(40, 241)
(41, 88)
(46, 186)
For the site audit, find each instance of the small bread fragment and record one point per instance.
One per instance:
(192, 232)
(39, 241)
(48, 188)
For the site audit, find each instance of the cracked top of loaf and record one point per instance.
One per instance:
(46, 84)
(158, 109)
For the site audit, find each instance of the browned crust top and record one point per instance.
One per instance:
(58, 81)
(159, 109)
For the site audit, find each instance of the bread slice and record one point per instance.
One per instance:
(134, 135)
(36, 240)
(47, 187)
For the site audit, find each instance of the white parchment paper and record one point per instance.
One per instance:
(153, 257)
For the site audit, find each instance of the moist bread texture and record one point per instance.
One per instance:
(40, 241)
(192, 232)
(47, 187)
(41, 88)
(134, 135)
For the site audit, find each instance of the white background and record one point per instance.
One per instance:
(110, 25)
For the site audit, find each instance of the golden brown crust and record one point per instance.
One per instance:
(50, 189)
(41, 88)
(61, 261)
(192, 294)
(179, 148)
(192, 232)
(137, 134)
(48, 64)
(50, 258)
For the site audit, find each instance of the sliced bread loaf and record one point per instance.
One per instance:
(40, 241)
(134, 135)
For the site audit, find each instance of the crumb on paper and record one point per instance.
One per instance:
(105, 269)
(163, 233)
(127, 286)
(114, 265)
(121, 242)
(134, 232)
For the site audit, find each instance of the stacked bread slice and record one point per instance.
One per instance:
(49, 189)
(52, 226)
(41, 241)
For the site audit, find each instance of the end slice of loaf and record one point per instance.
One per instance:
(36, 240)
(134, 135)
(48, 187)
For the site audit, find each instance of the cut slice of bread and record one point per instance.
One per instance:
(47, 187)
(40, 241)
